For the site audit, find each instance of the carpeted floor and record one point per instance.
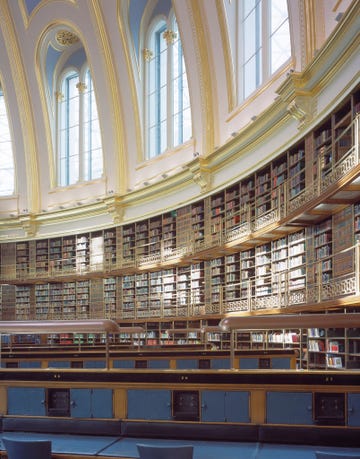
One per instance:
(126, 447)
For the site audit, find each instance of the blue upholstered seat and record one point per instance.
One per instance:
(165, 451)
(27, 449)
(325, 455)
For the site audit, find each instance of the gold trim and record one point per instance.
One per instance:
(66, 38)
(24, 104)
(147, 54)
(116, 108)
(27, 18)
(229, 67)
(134, 96)
(205, 75)
(169, 36)
(81, 87)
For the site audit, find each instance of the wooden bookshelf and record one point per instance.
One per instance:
(297, 260)
(263, 270)
(110, 297)
(232, 207)
(323, 251)
(279, 265)
(247, 273)
(263, 192)
(296, 164)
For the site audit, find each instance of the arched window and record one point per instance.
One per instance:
(264, 44)
(7, 170)
(168, 115)
(79, 149)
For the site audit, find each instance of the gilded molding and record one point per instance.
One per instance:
(201, 174)
(119, 135)
(229, 68)
(115, 207)
(300, 103)
(24, 104)
(301, 110)
(205, 75)
(29, 225)
(134, 93)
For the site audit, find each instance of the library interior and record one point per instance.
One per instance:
(180, 228)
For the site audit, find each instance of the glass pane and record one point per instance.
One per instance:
(152, 142)
(151, 75)
(163, 137)
(162, 63)
(74, 170)
(248, 5)
(279, 14)
(177, 133)
(250, 77)
(251, 36)
(163, 104)
(7, 168)
(187, 126)
(280, 47)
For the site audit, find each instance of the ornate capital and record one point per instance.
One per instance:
(169, 36)
(148, 54)
(59, 96)
(81, 87)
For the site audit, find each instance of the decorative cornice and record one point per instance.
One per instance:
(29, 225)
(300, 103)
(201, 173)
(115, 207)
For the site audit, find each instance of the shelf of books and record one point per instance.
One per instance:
(296, 164)
(170, 305)
(323, 251)
(198, 224)
(232, 208)
(263, 192)
(168, 233)
(110, 295)
(217, 217)
(279, 265)
(247, 274)
(216, 267)
(263, 270)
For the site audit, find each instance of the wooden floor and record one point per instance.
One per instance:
(88, 446)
